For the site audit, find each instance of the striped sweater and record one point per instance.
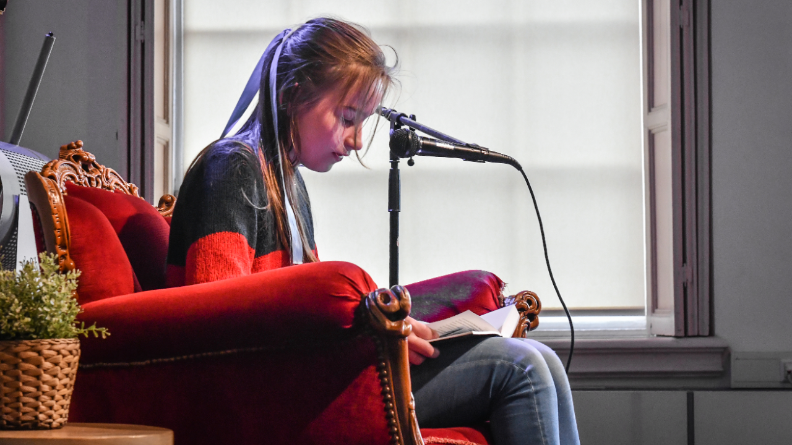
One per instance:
(221, 227)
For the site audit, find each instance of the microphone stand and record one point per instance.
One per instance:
(394, 205)
(394, 189)
(394, 201)
(394, 181)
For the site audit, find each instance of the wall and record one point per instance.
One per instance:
(751, 166)
(682, 418)
(84, 88)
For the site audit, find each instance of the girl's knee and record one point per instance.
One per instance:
(554, 365)
(549, 355)
(523, 355)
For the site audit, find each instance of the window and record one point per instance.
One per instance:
(556, 85)
(560, 86)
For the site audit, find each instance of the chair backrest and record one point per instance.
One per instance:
(96, 222)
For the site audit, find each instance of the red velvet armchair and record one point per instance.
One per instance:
(305, 354)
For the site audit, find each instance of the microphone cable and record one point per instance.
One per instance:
(550, 270)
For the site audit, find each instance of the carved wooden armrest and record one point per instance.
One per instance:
(386, 311)
(529, 306)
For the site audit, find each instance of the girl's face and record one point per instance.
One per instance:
(330, 130)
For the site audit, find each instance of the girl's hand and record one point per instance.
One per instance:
(419, 348)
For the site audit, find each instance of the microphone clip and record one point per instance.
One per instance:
(398, 120)
(395, 124)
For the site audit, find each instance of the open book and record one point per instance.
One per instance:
(501, 322)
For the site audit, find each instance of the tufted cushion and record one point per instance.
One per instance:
(97, 252)
(141, 229)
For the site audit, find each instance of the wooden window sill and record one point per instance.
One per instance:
(645, 362)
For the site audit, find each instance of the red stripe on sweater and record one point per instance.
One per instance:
(217, 257)
(272, 260)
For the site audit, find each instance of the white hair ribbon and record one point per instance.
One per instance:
(296, 242)
(251, 88)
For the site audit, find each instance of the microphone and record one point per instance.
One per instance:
(404, 143)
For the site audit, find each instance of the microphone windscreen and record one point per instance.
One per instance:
(404, 143)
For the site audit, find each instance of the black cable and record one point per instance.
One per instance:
(550, 270)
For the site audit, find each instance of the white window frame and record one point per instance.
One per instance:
(680, 350)
(676, 131)
(167, 103)
(683, 353)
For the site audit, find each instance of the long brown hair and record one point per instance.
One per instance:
(320, 56)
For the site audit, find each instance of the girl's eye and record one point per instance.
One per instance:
(348, 117)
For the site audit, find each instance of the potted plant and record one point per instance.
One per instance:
(39, 348)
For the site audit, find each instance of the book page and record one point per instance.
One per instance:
(462, 324)
(505, 319)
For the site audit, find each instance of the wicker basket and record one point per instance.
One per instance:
(37, 382)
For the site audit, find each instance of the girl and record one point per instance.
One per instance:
(243, 208)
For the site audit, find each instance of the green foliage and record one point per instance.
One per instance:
(38, 303)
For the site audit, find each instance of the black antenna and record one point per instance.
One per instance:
(30, 95)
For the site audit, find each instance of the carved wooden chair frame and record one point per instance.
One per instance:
(46, 190)
(384, 310)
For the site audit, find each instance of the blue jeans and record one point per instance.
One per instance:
(518, 385)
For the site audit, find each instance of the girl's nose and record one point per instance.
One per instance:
(354, 139)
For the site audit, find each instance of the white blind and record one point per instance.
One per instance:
(557, 85)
